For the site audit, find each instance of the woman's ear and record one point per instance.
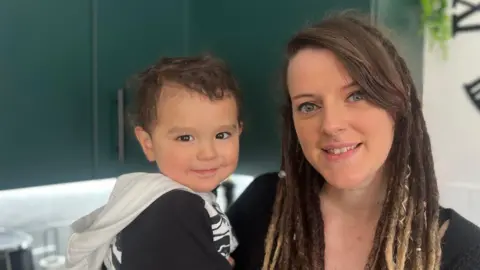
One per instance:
(145, 141)
(240, 127)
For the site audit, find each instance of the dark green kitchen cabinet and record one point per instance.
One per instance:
(62, 64)
(131, 35)
(251, 37)
(402, 17)
(45, 92)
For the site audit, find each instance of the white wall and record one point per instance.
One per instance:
(452, 118)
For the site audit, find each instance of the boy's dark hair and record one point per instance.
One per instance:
(204, 74)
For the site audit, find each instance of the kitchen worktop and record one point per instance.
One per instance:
(33, 207)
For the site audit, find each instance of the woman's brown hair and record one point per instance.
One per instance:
(407, 233)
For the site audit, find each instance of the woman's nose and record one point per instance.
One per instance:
(334, 119)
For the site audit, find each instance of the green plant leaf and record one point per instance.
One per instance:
(436, 24)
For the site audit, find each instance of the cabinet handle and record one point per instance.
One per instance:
(121, 124)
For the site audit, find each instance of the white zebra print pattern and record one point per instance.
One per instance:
(223, 238)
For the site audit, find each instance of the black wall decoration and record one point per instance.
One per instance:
(457, 19)
(473, 91)
(472, 88)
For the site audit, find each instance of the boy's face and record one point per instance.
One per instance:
(195, 141)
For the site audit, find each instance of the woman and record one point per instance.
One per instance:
(357, 188)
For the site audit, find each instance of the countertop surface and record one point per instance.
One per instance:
(45, 206)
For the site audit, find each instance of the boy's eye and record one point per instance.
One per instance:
(307, 107)
(185, 138)
(223, 135)
(356, 96)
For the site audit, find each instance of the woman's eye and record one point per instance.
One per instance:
(307, 107)
(185, 138)
(356, 96)
(223, 135)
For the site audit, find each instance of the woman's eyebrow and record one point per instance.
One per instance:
(305, 95)
(349, 85)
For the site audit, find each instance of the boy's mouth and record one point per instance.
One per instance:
(205, 172)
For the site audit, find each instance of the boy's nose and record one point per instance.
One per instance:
(207, 152)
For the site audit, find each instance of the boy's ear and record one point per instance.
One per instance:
(145, 141)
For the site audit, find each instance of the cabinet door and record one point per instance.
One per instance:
(251, 36)
(403, 18)
(45, 92)
(131, 35)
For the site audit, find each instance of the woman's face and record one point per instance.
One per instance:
(345, 137)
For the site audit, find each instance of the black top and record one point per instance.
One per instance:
(173, 233)
(461, 242)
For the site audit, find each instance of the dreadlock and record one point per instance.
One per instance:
(407, 234)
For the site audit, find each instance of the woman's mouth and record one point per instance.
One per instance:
(340, 150)
(337, 153)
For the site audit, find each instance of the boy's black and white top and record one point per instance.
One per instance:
(177, 218)
(178, 229)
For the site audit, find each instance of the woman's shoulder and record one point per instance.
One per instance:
(266, 182)
(258, 198)
(461, 242)
(250, 216)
